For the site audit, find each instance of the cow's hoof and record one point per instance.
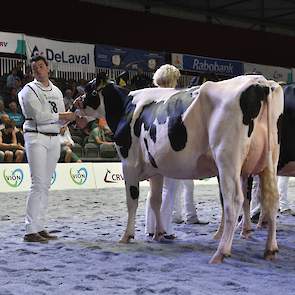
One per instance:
(271, 255)
(246, 234)
(218, 258)
(159, 237)
(126, 239)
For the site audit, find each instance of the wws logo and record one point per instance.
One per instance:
(79, 176)
(53, 178)
(13, 178)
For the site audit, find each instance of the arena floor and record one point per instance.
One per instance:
(86, 259)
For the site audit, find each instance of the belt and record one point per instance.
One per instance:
(44, 133)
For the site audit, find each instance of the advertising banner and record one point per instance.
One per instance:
(16, 177)
(12, 43)
(202, 64)
(63, 53)
(270, 72)
(73, 176)
(126, 58)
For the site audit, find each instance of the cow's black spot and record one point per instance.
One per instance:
(177, 133)
(250, 103)
(279, 127)
(287, 121)
(153, 133)
(134, 192)
(171, 111)
(151, 158)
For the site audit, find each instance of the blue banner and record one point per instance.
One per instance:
(128, 59)
(207, 65)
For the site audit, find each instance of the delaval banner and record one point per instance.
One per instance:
(62, 53)
(270, 72)
(12, 43)
(126, 58)
(202, 64)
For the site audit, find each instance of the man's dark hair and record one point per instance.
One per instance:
(36, 58)
(9, 124)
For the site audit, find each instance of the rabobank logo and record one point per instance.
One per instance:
(212, 66)
(13, 178)
(79, 176)
(111, 177)
(53, 178)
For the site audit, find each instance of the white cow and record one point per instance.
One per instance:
(226, 128)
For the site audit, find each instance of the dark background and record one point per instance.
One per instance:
(91, 23)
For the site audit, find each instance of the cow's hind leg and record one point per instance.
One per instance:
(218, 234)
(269, 203)
(156, 185)
(132, 194)
(246, 222)
(233, 199)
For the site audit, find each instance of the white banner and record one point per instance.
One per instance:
(61, 53)
(270, 72)
(12, 43)
(16, 177)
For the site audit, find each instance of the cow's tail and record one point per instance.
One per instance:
(269, 118)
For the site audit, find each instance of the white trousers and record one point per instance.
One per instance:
(43, 153)
(283, 194)
(172, 190)
(185, 208)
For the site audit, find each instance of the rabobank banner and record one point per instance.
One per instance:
(207, 65)
(270, 72)
(63, 53)
(126, 58)
(12, 43)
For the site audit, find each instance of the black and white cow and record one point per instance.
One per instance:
(226, 128)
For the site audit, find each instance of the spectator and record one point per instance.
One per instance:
(122, 79)
(8, 144)
(68, 98)
(19, 70)
(67, 143)
(140, 80)
(14, 115)
(100, 133)
(2, 108)
(4, 118)
(11, 78)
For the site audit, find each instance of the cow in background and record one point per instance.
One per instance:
(226, 128)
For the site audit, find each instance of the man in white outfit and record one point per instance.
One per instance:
(43, 107)
(167, 76)
(284, 205)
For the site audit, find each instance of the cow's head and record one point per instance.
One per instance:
(92, 90)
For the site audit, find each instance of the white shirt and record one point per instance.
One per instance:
(40, 106)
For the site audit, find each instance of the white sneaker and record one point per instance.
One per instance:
(195, 220)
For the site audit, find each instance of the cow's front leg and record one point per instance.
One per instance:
(132, 194)
(156, 185)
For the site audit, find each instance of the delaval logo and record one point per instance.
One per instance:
(13, 178)
(112, 177)
(53, 178)
(210, 66)
(79, 176)
(62, 56)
